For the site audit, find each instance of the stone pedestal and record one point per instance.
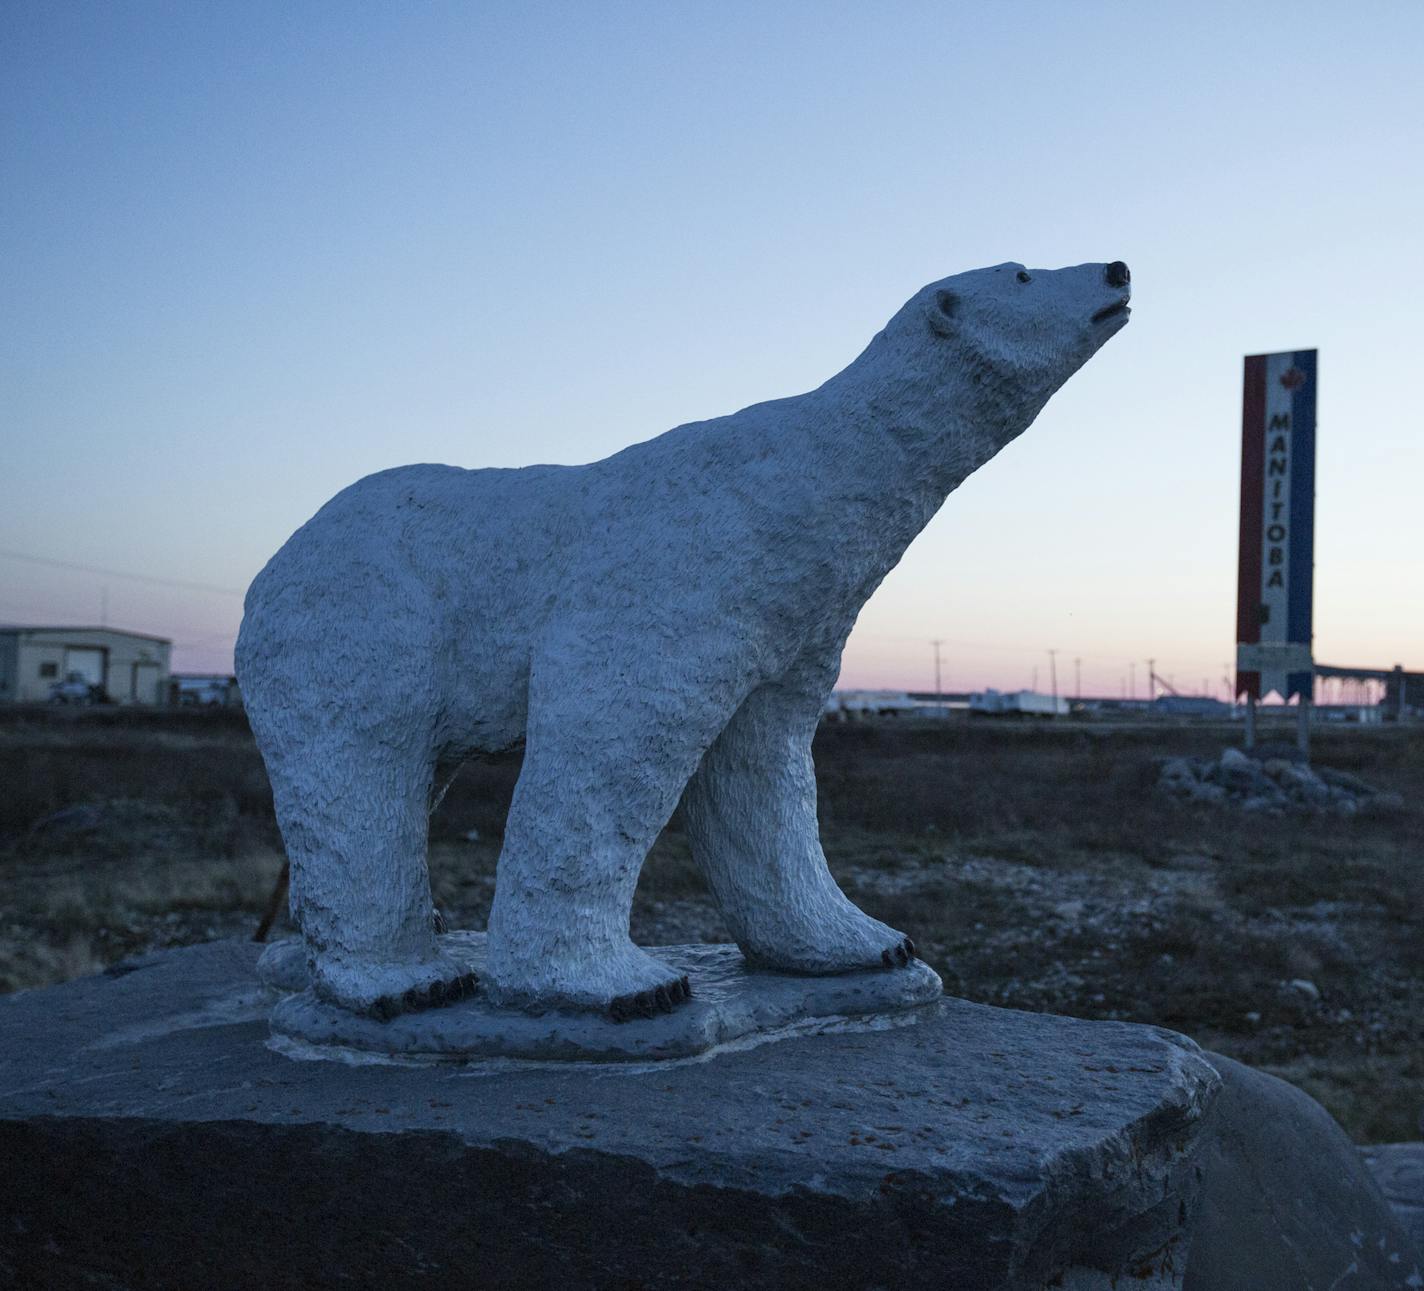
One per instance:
(153, 1137)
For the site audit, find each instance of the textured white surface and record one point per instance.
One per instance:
(669, 618)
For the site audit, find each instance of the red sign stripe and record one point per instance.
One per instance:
(1253, 466)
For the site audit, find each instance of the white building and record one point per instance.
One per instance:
(131, 667)
(1027, 702)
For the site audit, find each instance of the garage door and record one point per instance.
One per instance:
(87, 662)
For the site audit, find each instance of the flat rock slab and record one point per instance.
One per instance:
(153, 1138)
(730, 1002)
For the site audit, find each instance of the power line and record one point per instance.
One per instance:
(119, 573)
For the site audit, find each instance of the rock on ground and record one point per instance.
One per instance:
(1271, 784)
(1398, 1168)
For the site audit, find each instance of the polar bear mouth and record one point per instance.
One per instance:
(1112, 311)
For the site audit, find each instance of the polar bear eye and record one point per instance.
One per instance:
(1023, 276)
(948, 303)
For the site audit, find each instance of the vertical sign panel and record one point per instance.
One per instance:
(1277, 553)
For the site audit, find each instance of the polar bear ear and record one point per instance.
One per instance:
(942, 311)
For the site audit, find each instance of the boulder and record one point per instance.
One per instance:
(1178, 771)
(1288, 1203)
(1206, 792)
(1242, 774)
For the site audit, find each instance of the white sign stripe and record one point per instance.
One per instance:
(1275, 515)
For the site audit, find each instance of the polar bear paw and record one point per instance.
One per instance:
(385, 990)
(431, 996)
(621, 982)
(646, 1004)
(899, 955)
(841, 940)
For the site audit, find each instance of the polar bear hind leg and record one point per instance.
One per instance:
(354, 815)
(751, 819)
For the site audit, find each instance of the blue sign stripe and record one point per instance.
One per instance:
(1302, 509)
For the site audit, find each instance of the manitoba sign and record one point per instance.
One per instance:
(1277, 554)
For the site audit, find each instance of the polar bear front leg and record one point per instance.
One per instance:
(751, 819)
(604, 765)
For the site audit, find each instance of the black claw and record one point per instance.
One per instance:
(437, 921)
(901, 954)
(663, 998)
(686, 985)
(618, 1009)
(645, 1003)
(886, 959)
(910, 946)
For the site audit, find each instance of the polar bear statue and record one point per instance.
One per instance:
(663, 624)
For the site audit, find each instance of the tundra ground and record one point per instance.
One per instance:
(1035, 866)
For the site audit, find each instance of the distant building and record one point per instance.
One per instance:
(856, 705)
(1190, 706)
(1025, 703)
(81, 665)
(860, 705)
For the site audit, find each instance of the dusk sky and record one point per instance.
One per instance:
(254, 251)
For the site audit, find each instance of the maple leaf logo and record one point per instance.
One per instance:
(1292, 378)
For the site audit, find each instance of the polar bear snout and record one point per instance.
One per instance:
(1119, 279)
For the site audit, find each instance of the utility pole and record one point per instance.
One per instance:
(1078, 680)
(1151, 679)
(1053, 678)
(939, 690)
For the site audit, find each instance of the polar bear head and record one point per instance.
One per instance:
(1025, 320)
(998, 342)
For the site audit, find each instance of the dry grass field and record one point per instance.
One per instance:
(1035, 866)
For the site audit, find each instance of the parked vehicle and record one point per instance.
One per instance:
(76, 688)
(204, 690)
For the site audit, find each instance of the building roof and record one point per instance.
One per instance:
(82, 627)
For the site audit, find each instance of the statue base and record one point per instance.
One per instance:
(152, 1139)
(731, 1003)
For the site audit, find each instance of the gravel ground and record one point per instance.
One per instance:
(1035, 868)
